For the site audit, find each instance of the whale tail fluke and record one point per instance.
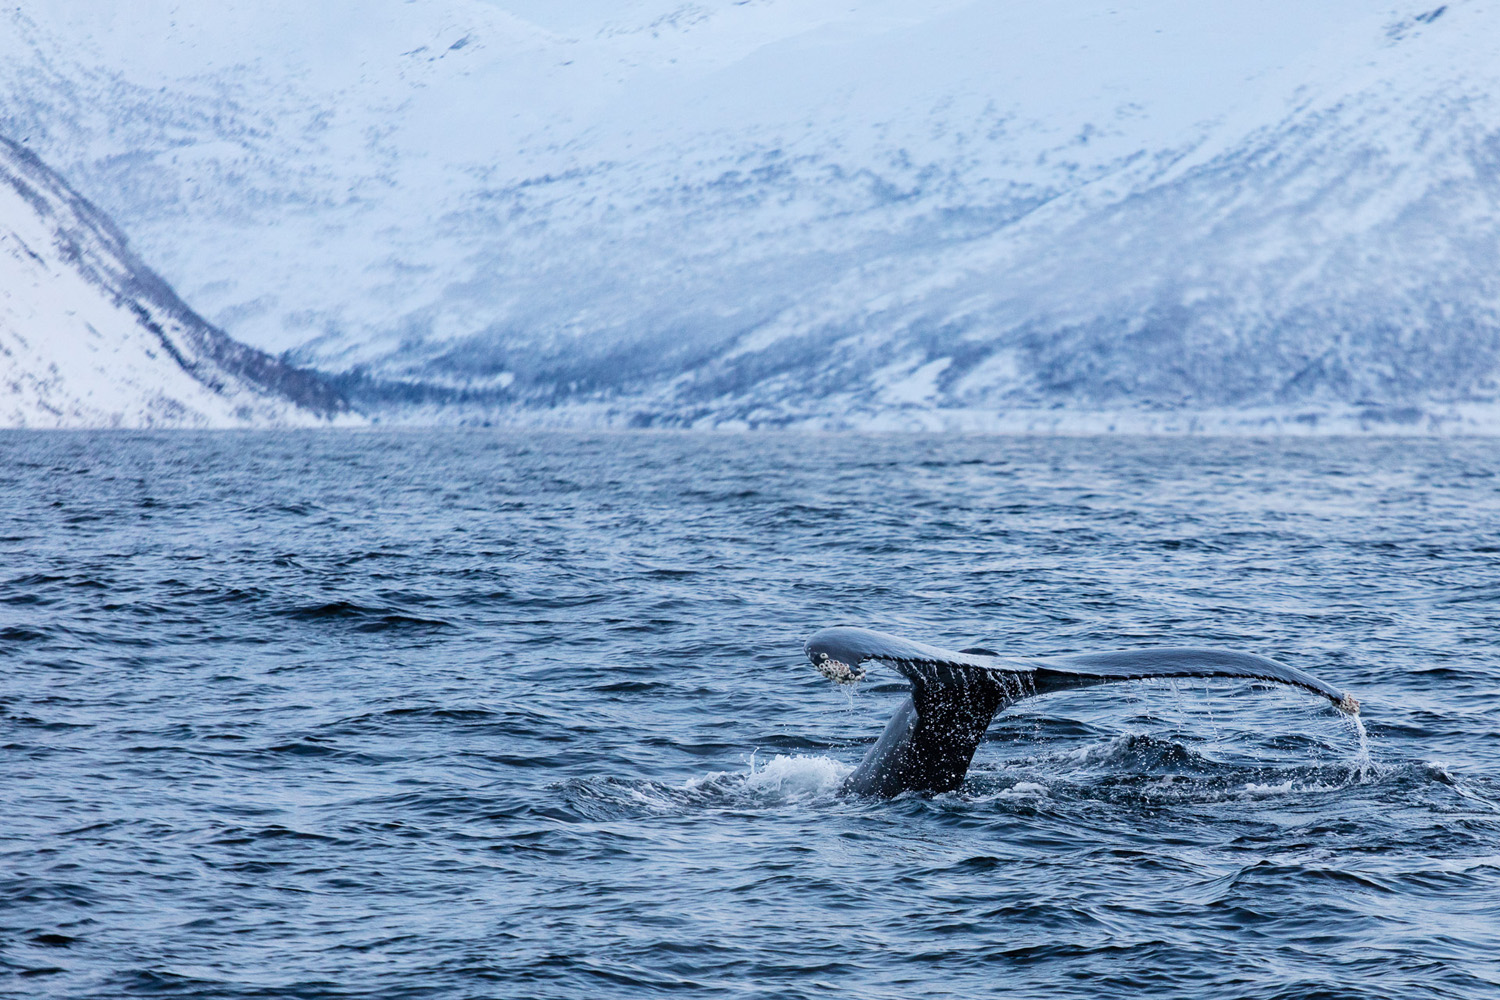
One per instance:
(930, 742)
(1084, 669)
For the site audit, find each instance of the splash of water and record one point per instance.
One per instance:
(1364, 765)
(795, 777)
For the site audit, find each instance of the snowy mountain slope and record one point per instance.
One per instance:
(91, 338)
(859, 212)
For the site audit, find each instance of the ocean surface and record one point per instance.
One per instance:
(475, 714)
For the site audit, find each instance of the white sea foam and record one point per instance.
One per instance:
(799, 776)
(1290, 786)
(1254, 788)
(1025, 790)
(783, 778)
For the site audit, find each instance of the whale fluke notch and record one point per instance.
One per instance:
(930, 742)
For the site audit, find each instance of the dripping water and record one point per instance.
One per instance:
(1364, 765)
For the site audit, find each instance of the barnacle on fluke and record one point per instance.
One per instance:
(837, 670)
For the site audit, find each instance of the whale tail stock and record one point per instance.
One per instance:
(930, 742)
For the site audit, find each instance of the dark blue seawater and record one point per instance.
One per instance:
(453, 715)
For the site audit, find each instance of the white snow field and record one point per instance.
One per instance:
(1073, 215)
(90, 338)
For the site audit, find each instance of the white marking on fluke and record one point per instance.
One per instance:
(837, 670)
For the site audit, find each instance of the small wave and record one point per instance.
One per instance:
(33, 889)
(333, 609)
(1154, 791)
(1146, 771)
(629, 687)
(34, 580)
(1024, 790)
(387, 623)
(273, 832)
(233, 595)
(296, 509)
(446, 718)
(1139, 751)
(364, 619)
(359, 557)
(1469, 595)
(1291, 786)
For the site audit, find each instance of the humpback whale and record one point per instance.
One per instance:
(928, 745)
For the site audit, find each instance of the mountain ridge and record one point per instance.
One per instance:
(824, 214)
(91, 337)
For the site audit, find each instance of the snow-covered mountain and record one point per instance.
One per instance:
(1185, 213)
(89, 337)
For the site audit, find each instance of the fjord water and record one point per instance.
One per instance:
(470, 714)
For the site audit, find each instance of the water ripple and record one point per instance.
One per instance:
(441, 714)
